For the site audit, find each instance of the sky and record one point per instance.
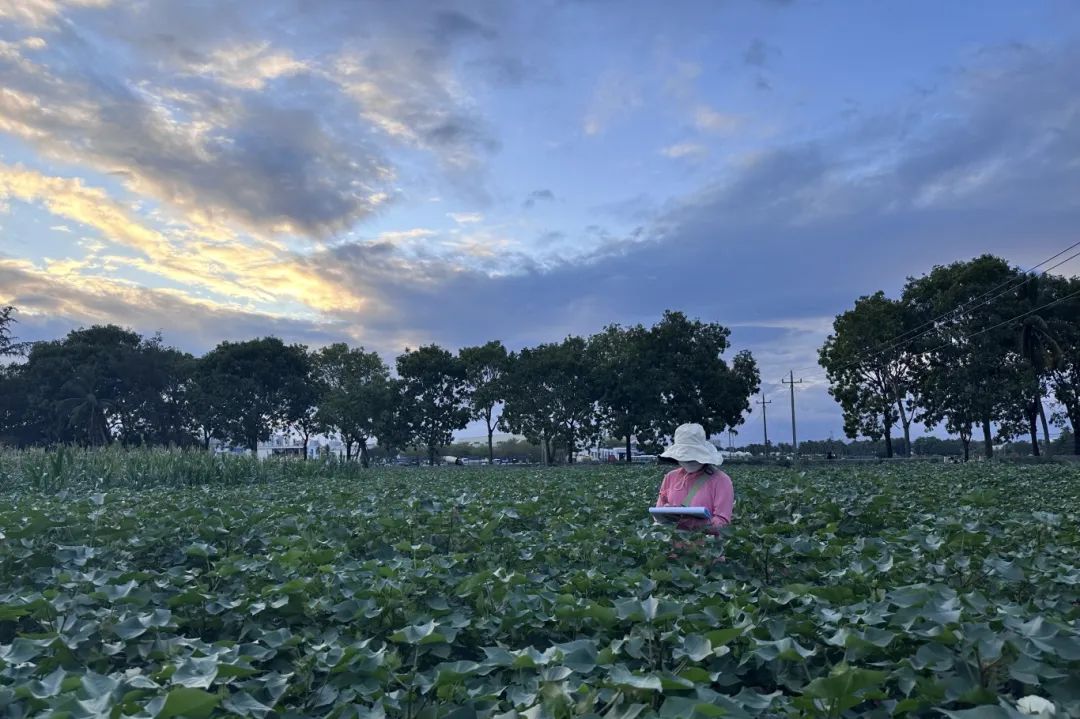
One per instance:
(392, 174)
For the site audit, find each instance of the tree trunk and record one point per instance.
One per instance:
(365, 458)
(1032, 416)
(491, 440)
(888, 439)
(905, 420)
(431, 455)
(988, 439)
(253, 445)
(628, 458)
(1072, 411)
(305, 447)
(1047, 450)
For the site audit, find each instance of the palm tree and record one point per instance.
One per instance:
(1041, 352)
(85, 409)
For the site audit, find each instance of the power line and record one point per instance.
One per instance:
(1019, 282)
(1015, 282)
(1027, 278)
(965, 306)
(1020, 316)
(984, 330)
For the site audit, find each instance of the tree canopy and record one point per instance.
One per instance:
(976, 346)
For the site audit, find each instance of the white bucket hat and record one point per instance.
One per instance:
(690, 445)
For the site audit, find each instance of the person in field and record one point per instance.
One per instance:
(698, 482)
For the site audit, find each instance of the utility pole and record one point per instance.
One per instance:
(765, 422)
(794, 439)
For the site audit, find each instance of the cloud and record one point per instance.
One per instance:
(792, 235)
(685, 150)
(41, 13)
(408, 102)
(234, 117)
(707, 119)
(775, 242)
(758, 53)
(251, 161)
(537, 196)
(71, 199)
(465, 218)
(614, 96)
(238, 269)
(50, 304)
(249, 66)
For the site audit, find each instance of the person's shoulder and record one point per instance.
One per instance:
(672, 474)
(722, 477)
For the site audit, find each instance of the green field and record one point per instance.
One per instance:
(179, 585)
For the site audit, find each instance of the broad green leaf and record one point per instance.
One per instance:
(196, 672)
(187, 702)
(414, 634)
(622, 677)
(787, 649)
(246, 705)
(696, 647)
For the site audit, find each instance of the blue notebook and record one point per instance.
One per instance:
(673, 513)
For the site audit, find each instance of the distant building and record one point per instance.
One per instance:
(285, 445)
(618, 454)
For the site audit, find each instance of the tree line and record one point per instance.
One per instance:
(978, 347)
(106, 385)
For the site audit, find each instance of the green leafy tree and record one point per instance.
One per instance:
(208, 411)
(356, 388)
(485, 376)
(153, 406)
(871, 375)
(31, 397)
(951, 398)
(970, 371)
(1040, 353)
(97, 386)
(697, 384)
(252, 388)
(8, 344)
(551, 397)
(395, 422)
(435, 386)
(86, 410)
(100, 396)
(305, 397)
(1063, 320)
(16, 427)
(627, 380)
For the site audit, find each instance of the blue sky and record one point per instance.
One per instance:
(400, 173)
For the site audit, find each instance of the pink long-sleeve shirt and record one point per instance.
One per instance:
(717, 494)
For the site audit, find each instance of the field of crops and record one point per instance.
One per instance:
(459, 592)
